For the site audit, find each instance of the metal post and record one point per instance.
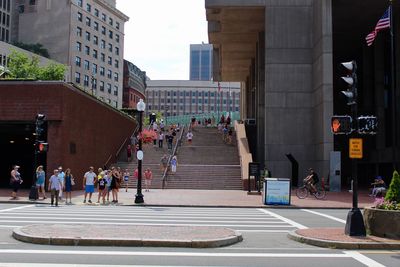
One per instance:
(139, 195)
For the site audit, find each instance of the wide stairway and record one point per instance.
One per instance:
(208, 163)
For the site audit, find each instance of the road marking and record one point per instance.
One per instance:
(174, 254)
(9, 226)
(263, 231)
(363, 259)
(325, 215)
(15, 264)
(293, 223)
(17, 208)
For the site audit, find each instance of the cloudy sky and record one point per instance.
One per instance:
(159, 33)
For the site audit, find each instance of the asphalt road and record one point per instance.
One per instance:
(264, 238)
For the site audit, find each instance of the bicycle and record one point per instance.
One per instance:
(305, 190)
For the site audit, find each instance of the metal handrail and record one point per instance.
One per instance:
(178, 143)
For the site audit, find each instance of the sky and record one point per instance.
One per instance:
(159, 33)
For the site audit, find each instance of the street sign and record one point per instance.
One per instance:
(355, 148)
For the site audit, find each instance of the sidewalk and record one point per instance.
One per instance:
(211, 198)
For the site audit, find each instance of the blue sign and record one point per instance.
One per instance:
(277, 191)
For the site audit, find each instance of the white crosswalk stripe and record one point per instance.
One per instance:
(246, 220)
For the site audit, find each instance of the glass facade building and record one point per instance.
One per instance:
(201, 62)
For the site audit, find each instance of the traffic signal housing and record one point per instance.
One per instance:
(341, 124)
(367, 124)
(351, 81)
(40, 120)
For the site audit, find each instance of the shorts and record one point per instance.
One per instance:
(89, 188)
(173, 168)
(190, 140)
(15, 186)
(40, 185)
(147, 182)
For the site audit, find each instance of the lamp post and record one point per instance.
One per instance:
(141, 106)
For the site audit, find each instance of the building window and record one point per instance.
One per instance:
(103, 57)
(94, 68)
(95, 53)
(87, 50)
(109, 61)
(79, 3)
(94, 83)
(78, 46)
(78, 61)
(102, 71)
(77, 77)
(102, 86)
(103, 44)
(96, 12)
(212, 94)
(116, 76)
(87, 36)
(117, 38)
(88, 22)
(96, 26)
(110, 34)
(115, 90)
(95, 40)
(86, 80)
(109, 88)
(80, 16)
(110, 47)
(103, 16)
(79, 31)
(103, 30)
(117, 51)
(117, 25)
(88, 8)
(86, 65)
(109, 74)
(116, 63)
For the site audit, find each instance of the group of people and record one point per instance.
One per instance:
(162, 134)
(164, 164)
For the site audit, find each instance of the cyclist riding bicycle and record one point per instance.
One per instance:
(312, 179)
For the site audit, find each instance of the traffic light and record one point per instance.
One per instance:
(351, 80)
(341, 124)
(42, 147)
(367, 125)
(40, 120)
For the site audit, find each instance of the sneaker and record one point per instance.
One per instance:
(84, 201)
(90, 201)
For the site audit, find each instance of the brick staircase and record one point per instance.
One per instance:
(206, 164)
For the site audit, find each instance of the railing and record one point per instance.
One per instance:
(174, 150)
(186, 119)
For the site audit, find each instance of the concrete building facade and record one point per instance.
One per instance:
(177, 97)
(134, 85)
(287, 53)
(87, 35)
(201, 62)
(5, 20)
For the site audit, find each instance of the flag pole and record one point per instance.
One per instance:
(393, 86)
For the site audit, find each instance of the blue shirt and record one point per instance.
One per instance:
(40, 176)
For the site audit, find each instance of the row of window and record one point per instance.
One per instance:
(102, 86)
(96, 12)
(193, 94)
(4, 19)
(86, 66)
(110, 47)
(88, 23)
(108, 101)
(4, 35)
(200, 108)
(199, 100)
(6, 5)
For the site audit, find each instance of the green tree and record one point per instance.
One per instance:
(34, 48)
(393, 194)
(21, 66)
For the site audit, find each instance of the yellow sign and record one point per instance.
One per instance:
(355, 148)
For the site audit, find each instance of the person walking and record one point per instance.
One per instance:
(163, 163)
(189, 137)
(15, 181)
(148, 176)
(129, 152)
(115, 183)
(69, 182)
(160, 139)
(40, 180)
(174, 164)
(61, 176)
(126, 179)
(54, 187)
(108, 179)
(88, 184)
(170, 140)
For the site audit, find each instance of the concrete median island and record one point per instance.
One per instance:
(127, 235)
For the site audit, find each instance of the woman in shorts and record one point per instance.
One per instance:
(126, 179)
(40, 179)
(148, 176)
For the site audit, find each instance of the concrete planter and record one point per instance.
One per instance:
(383, 223)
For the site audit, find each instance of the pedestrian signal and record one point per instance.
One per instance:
(341, 124)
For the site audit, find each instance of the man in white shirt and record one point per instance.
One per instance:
(61, 176)
(88, 184)
(54, 186)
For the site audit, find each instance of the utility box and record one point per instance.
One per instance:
(335, 172)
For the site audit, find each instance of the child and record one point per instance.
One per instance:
(126, 179)
(107, 190)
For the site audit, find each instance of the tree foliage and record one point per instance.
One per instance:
(393, 194)
(34, 48)
(21, 66)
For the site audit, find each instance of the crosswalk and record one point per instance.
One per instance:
(243, 220)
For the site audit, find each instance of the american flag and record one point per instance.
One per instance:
(383, 23)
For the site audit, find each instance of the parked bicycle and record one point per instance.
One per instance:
(306, 189)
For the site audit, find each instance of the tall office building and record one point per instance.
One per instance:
(5, 20)
(87, 35)
(201, 62)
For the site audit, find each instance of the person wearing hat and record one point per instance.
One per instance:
(15, 181)
(379, 187)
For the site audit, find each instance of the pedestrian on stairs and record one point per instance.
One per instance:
(174, 164)
(163, 163)
(160, 139)
(189, 137)
(148, 176)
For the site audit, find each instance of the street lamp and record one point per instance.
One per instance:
(141, 106)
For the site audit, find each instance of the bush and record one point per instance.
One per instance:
(393, 194)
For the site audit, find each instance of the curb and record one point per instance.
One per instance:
(341, 245)
(18, 234)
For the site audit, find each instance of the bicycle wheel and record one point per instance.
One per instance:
(302, 192)
(320, 194)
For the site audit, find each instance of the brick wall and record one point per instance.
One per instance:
(75, 120)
